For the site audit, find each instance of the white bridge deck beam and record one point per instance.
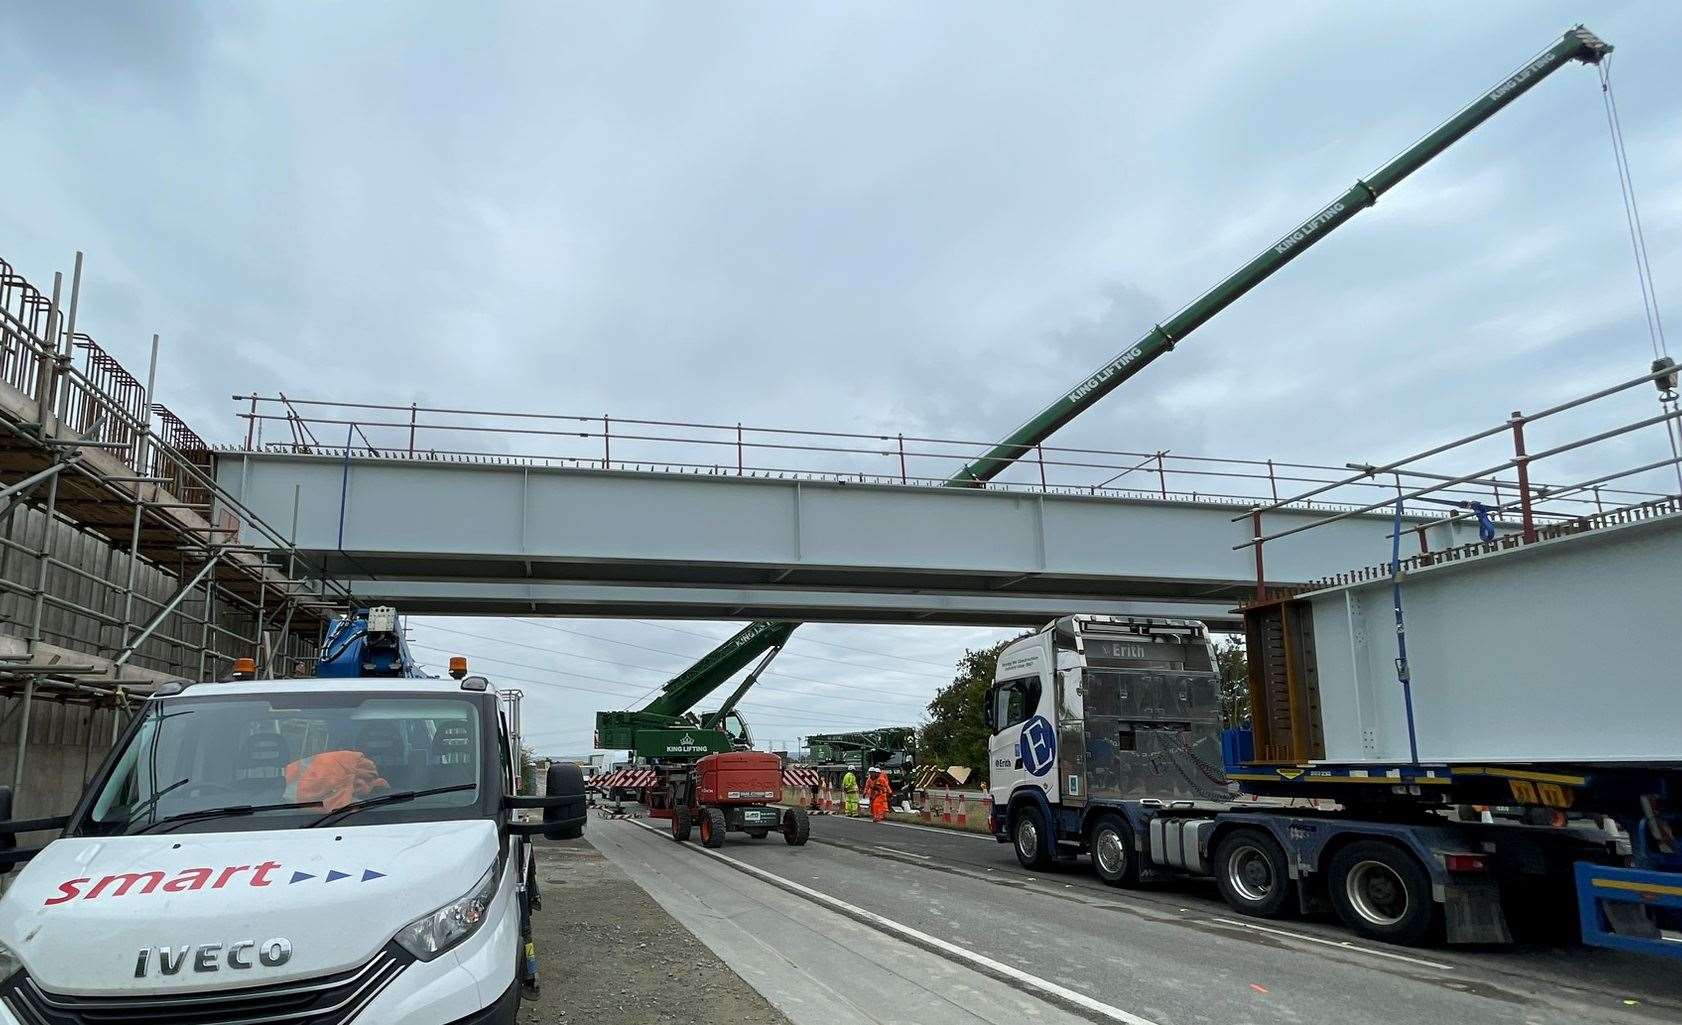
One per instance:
(1563, 650)
(499, 538)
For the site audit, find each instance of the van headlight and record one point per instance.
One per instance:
(430, 935)
(9, 963)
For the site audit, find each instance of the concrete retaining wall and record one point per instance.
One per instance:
(66, 744)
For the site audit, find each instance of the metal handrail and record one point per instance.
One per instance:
(1520, 462)
(254, 399)
(1163, 465)
(1511, 463)
(1517, 418)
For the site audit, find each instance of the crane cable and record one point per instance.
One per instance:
(1643, 266)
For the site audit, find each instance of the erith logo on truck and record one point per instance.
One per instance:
(121, 884)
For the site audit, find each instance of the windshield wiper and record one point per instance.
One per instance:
(399, 796)
(229, 811)
(152, 802)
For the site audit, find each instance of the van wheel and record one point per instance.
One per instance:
(1031, 838)
(680, 824)
(797, 828)
(712, 827)
(1113, 853)
(1381, 892)
(1253, 875)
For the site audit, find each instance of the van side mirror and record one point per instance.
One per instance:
(564, 810)
(10, 854)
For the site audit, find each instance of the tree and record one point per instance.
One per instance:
(955, 733)
(528, 770)
(1235, 681)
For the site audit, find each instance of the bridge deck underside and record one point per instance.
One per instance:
(497, 538)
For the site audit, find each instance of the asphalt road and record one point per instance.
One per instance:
(1169, 955)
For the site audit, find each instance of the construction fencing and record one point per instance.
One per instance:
(954, 809)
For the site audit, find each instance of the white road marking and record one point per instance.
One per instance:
(908, 854)
(926, 941)
(944, 832)
(1339, 944)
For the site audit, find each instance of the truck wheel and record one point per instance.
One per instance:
(680, 824)
(713, 827)
(1031, 838)
(1381, 892)
(1253, 875)
(1113, 854)
(796, 827)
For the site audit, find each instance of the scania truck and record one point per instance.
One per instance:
(1106, 742)
(317, 851)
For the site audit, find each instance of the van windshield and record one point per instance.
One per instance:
(285, 760)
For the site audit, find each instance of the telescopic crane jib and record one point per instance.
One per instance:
(1578, 44)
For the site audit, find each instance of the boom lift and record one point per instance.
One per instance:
(649, 732)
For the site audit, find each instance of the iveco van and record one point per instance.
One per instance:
(286, 851)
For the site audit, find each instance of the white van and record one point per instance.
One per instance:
(286, 851)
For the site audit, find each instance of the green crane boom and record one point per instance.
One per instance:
(1578, 44)
(671, 711)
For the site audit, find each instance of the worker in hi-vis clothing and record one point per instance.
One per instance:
(879, 790)
(850, 793)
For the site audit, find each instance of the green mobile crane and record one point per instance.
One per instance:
(667, 728)
(890, 748)
(628, 730)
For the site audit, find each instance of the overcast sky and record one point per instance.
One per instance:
(926, 218)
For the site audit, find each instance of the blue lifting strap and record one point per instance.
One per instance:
(1486, 526)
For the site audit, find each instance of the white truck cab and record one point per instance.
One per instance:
(310, 851)
(1090, 710)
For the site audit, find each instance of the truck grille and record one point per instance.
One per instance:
(325, 1000)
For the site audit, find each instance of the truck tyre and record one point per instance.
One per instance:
(1113, 853)
(571, 832)
(1253, 875)
(796, 826)
(681, 824)
(1031, 838)
(713, 827)
(1383, 893)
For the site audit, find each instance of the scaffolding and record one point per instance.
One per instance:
(121, 560)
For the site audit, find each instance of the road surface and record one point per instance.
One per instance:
(897, 923)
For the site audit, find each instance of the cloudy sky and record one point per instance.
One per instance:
(923, 218)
